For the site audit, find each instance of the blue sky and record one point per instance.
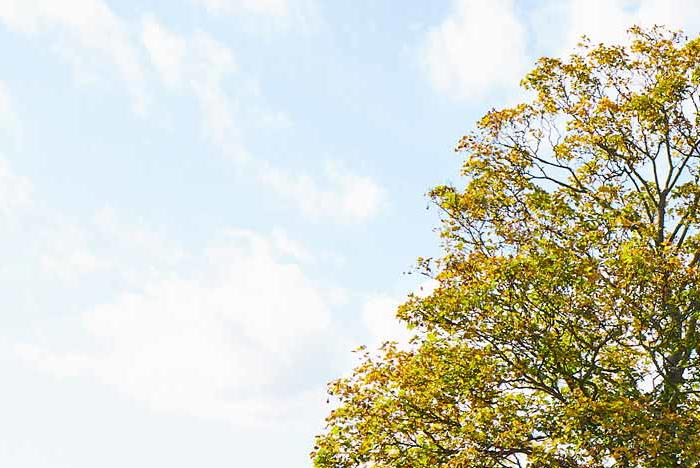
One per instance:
(206, 204)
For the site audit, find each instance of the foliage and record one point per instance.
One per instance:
(564, 329)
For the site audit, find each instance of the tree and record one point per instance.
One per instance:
(564, 330)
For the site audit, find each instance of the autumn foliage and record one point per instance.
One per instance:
(563, 332)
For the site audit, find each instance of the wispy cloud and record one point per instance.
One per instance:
(342, 196)
(198, 64)
(79, 27)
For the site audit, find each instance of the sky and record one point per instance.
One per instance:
(205, 205)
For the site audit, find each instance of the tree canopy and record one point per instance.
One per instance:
(564, 330)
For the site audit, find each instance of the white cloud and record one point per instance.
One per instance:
(83, 25)
(199, 64)
(674, 13)
(479, 47)
(486, 47)
(601, 20)
(608, 20)
(347, 198)
(221, 338)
